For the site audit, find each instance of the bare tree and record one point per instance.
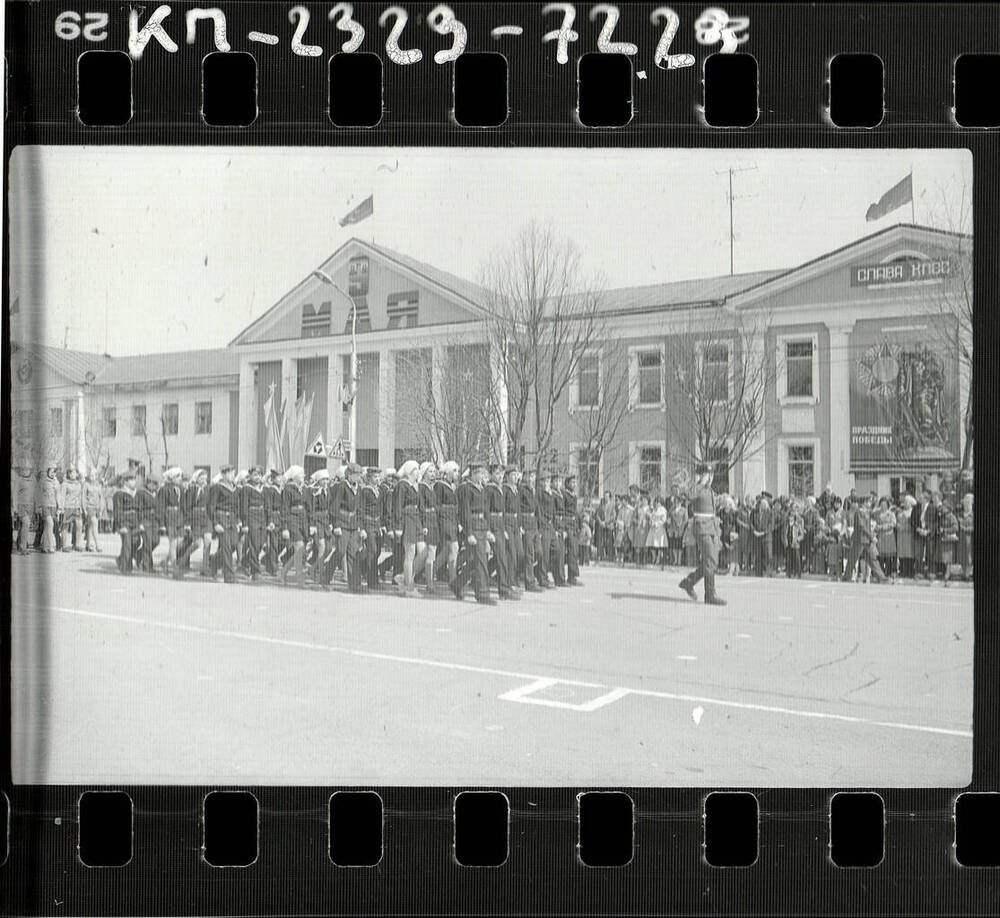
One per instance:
(599, 403)
(954, 302)
(542, 315)
(718, 377)
(444, 404)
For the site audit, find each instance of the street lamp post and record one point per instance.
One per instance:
(326, 279)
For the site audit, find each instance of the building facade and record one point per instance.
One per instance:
(864, 380)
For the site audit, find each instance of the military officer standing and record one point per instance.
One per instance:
(447, 503)
(149, 521)
(559, 521)
(253, 515)
(546, 525)
(512, 528)
(344, 512)
(708, 538)
(370, 501)
(571, 511)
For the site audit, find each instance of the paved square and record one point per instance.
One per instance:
(622, 682)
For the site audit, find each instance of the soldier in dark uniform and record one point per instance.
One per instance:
(198, 529)
(294, 523)
(223, 512)
(546, 525)
(253, 515)
(271, 492)
(528, 519)
(558, 561)
(389, 541)
(512, 528)
(447, 504)
(149, 522)
(708, 538)
(171, 515)
(473, 510)
(345, 505)
(370, 500)
(317, 495)
(571, 509)
(497, 564)
(126, 523)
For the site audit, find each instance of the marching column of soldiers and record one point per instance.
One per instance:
(421, 527)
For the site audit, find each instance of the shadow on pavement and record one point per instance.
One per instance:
(684, 600)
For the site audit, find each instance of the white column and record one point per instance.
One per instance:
(840, 407)
(247, 448)
(498, 380)
(437, 387)
(754, 472)
(81, 435)
(386, 407)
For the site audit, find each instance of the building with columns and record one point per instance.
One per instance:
(866, 385)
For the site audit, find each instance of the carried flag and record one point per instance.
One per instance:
(365, 209)
(901, 193)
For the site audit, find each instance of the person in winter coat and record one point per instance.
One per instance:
(72, 506)
(965, 535)
(946, 538)
(795, 532)
(885, 526)
(836, 526)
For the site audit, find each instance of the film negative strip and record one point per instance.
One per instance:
(500, 458)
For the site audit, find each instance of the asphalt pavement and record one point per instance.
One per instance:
(622, 681)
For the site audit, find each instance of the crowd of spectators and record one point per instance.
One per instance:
(870, 537)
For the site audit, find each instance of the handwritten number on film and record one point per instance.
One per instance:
(713, 27)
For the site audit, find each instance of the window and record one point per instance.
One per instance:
(587, 463)
(651, 469)
(56, 422)
(650, 377)
(799, 368)
(110, 419)
(138, 420)
(367, 458)
(202, 417)
(170, 419)
(715, 372)
(588, 381)
(801, 471)
(403, 309)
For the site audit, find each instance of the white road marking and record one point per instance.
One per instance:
(466, 667)
(684, 656)
(525, 693)
(740, 634)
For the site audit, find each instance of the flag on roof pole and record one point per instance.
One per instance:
(901, 193)
(365, 209)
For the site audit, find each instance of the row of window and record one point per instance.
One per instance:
(167, 424)
(647, 376)
(648, 469)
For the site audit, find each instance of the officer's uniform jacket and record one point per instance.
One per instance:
(473, 509)
(253, 506)
(704, 522)
(571, 505)
(318, 501)
(546, 509)
(272, 504)
(511, 509)
(495, 503)
(145, 503)
(370, 509)
(223, 505)
(345, 506)
(447, 507)
(195, 506)
(527, 507)
(559, 510)
(125, 514)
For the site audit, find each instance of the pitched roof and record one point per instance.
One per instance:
(466, 289)
(149, 368)
(74, 365)
(680, 293)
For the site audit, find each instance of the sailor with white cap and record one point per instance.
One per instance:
(427, 541)
(295, 523)
(318, 505)
(447, 507)
(171, 515)
(223, 512)
(407, 515)
(253, 514)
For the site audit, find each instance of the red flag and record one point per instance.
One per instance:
(365, 209)
(901, 193)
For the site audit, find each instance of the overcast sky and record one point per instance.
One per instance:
(162, 249)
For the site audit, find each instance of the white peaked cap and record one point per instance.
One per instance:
(321, 475)
(294, 471)
(425, 467)
(174, 472)
(339, 472)
(449, 466)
